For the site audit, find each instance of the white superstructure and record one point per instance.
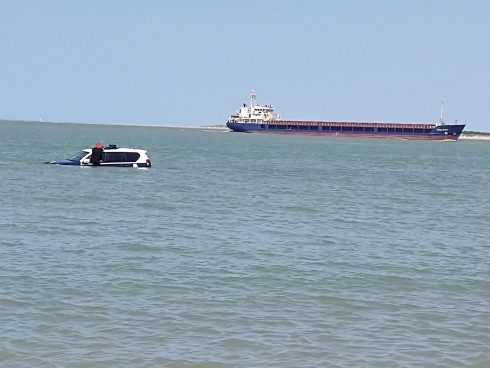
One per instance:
(254, 113)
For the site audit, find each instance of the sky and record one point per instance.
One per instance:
(183, 62)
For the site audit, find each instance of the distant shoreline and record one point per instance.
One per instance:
(479, 136)
(106, 124)
(468, 135)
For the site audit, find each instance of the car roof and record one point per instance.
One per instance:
(119, 149)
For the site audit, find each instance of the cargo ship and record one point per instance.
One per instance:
(256, 118)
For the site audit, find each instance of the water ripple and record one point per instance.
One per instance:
(244, 251)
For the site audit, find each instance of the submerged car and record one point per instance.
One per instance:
(111, 156)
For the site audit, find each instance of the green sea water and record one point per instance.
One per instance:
(243, 250)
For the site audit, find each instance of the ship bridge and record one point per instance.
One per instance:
(254, 113)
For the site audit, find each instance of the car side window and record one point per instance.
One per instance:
(120, 157)
(132, 156)
(115, 157)
(109, 157)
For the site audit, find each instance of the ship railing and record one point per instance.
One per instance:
(247, 120)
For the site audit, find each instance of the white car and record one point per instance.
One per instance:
(112, 156)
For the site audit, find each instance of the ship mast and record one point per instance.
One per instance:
(253, 99)
(441, 122)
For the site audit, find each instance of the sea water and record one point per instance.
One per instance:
(243, 250)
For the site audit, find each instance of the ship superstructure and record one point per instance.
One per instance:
(254, 113)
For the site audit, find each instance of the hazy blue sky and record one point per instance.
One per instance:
(194, 62)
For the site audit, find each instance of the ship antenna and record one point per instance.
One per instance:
(441, 122)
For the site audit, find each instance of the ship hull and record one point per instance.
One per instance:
(353, 130)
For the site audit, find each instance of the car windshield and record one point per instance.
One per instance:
(78, 156)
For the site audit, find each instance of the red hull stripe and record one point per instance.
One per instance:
(364, 135)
